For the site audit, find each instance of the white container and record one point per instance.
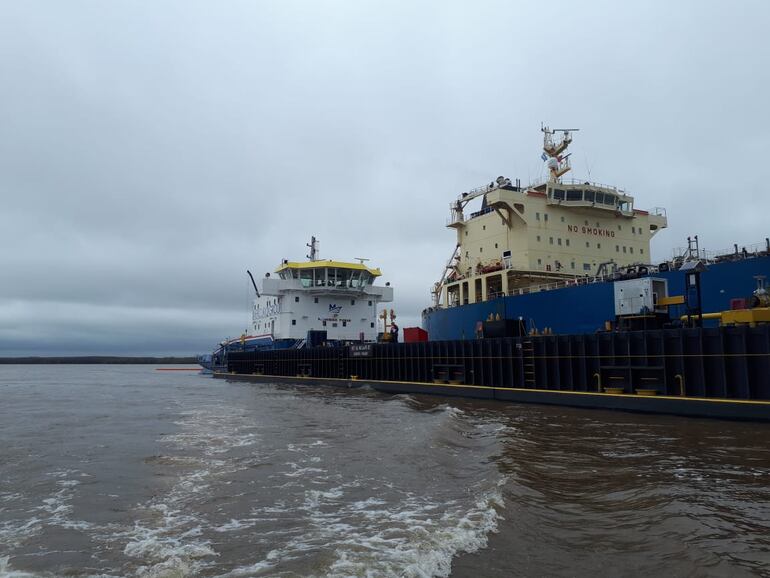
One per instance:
(639, 296)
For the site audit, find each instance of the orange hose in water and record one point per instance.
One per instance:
(177, 369)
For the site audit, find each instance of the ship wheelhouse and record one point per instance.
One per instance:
(329, 275)
(320, 295)
(589, 195)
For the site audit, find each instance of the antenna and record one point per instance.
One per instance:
(557, 163)
(360, 259)
(313, 244)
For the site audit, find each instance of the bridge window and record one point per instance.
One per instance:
(574, 195)
(609, 199)
(588, 196)
(599, 197)
(558, 194)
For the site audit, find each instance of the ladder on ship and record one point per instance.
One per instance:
(528, 354)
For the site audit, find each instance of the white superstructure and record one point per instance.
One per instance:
(324, 295)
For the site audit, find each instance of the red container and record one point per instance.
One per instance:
(737, 304)
(415, 335)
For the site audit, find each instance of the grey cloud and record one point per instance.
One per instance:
(150, 153)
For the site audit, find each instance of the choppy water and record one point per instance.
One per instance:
(127, 471)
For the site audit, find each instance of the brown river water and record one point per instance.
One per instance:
(128, 471)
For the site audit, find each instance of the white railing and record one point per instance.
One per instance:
(536, 288)
(682, 253)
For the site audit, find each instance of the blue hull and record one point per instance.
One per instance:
(585, 308)
(217, 360)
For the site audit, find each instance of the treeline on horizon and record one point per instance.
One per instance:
(95, 359)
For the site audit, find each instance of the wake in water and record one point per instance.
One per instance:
(282, 482)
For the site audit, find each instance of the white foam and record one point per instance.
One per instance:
(372, 537)
(7, 572)
(234, 525)
(298, 471)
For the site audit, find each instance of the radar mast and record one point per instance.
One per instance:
(313, 244)
(557, 163)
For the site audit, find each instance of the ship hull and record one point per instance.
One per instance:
(755, 410)
(707, 372)
(586, 308)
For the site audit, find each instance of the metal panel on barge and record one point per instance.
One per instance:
(711, 372)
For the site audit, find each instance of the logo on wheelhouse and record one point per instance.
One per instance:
(335, 309)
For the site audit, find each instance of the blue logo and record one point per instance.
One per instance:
(335, 309)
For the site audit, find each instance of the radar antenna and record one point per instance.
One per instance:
(361, 260)
(557, 163)
(313, 244)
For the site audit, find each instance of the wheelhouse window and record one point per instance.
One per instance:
(588, 196)
(599, 197)
(609, 200)
(574, 195)
(558, 194)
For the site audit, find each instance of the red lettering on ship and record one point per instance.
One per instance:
(596, 231)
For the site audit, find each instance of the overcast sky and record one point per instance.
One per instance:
(151, 152)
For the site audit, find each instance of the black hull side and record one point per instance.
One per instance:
(753, 410)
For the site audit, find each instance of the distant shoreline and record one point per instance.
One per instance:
(97, 359)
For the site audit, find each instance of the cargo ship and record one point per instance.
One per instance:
(550, 296)
(548, 254)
